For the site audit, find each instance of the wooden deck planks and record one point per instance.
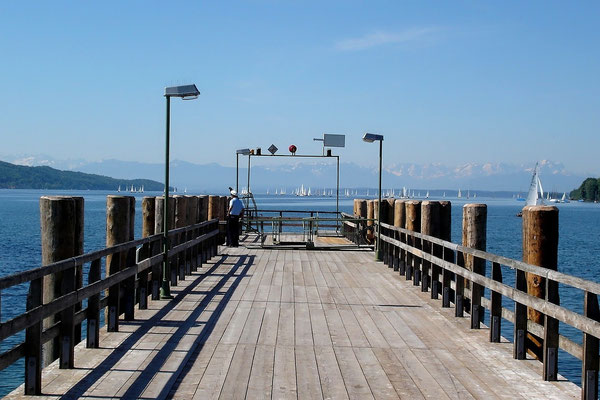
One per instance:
(300, 324)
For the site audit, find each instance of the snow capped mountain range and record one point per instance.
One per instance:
(475, 176)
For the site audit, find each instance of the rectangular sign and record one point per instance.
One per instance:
(333, 140)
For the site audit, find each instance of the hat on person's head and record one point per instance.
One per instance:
(233, 193)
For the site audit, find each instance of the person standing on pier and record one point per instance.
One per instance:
(236, 209)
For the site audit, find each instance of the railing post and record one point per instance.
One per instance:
(496, 306)
(589, 365)
(447, 254)
(459, 292)
(33, 341)
(93, 308)
(430, 224)
(67, 323)
(520, 324)
(413, 223)
(474, 237)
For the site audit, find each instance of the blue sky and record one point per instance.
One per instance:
(448, 82)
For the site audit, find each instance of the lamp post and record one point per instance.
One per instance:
(243, 152)
(185, 92)
(370, 138)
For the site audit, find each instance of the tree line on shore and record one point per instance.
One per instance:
(589, 190)
(22, 177)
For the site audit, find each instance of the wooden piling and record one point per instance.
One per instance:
(178, 267)
(540, 247)
(117, 231)
(413, 223)
(149, 250)
(474, 236)
(430, 225)
(213, 207)
(383, 208)
(61, 221)
(399, 221)
(159, 205)
(448, 255)
(370, 215)
(192, 215)
(361, 212)
(202, 208)
(128, 286)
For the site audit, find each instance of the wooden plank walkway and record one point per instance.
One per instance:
(295, 324)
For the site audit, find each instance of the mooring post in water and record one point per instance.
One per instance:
(448, 255)
(430, 225)
(540, 247)
(370, 225)
(61, 221)
(117, 231)
(399, 221)
(474, 236)
(147, 251)
(413, 223)
(361, 212)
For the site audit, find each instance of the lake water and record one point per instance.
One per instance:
(20, 247)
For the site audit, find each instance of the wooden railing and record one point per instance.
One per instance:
(118, 293)
(437, 265)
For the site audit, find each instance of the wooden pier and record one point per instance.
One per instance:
(311, 316)
(298, 324)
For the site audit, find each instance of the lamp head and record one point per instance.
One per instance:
(186, 92)
(372, 137)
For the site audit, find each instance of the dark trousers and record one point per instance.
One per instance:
(233, 230)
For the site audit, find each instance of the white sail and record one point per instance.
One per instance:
(535, 196)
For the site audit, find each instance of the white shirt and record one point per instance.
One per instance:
(236, 206)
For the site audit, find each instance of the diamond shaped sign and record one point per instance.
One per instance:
(272, 149)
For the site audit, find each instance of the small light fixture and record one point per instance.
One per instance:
(186, 92)
(372, 137)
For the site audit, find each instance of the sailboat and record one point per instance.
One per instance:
(535, 196)
(459, 195)
(564, 198)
